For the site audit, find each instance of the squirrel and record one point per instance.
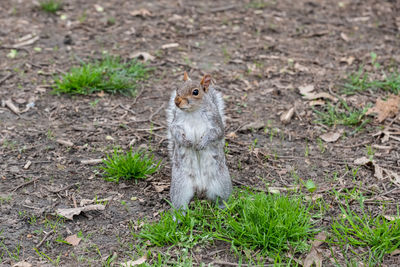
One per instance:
(196, 123)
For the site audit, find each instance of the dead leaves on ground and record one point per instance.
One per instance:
(70, 212)
(308, 94)
(385, 109)
(73, 240)
(315, 256)
(379, 172)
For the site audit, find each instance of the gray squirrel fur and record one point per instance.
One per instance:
(196, 143)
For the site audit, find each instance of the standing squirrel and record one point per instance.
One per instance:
(196, 143)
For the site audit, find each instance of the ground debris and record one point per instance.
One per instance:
(69, 213)
(385, 109)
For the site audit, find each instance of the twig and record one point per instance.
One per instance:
(44, 239)
(228, 263)
(24, 184)
(6, 78)
(138, 95)
(223, 8)
(61, 189)
(158, 110)
(353, 146)
(16, 48)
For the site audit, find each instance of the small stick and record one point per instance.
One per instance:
(44, 239)
(91, 161)
(62, 189)
(24, 184)
(12, 107)
(6, 78)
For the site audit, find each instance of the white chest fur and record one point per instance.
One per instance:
(194, 124)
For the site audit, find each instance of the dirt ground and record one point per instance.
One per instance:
(258, 53)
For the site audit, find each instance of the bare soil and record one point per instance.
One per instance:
(258, 54)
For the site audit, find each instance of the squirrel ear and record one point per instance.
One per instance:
(205, 82)
(185, 76)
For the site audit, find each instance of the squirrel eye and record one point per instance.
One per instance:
(195, 92)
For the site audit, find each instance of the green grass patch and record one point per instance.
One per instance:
(110, 75)
(361, 81)
(341, 114)
(375, 233)
(260, 222)
(130, 165)
(51, 6)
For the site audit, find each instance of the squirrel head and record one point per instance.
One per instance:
(189, 96)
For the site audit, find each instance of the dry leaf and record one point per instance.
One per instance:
(395, 252)
(299, 67)
(304, 90)
(172, 45)
(22, 264)
(287, 116)
(160, 187)
(142, 55)
(385, 109)
(314, 257)
(69, 213)
(319, 239)
(312, 96)
(98, 8)
(232, 135)
(317, 103)
(344, 37)
(139, 261)
(255, 125)
(362, 161)
(66, 143)
(73, 240)
(141, 12)
(331, 136)
(391, 217)
(378, 173)
(349, 60)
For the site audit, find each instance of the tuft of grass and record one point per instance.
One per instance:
(251, 221)
(360, 81)
(110, 75)
(51, 6)
(129, 165)
(377, 234)
(342, 114)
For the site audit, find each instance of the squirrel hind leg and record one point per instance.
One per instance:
(181, 194)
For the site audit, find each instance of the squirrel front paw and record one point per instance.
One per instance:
(201, 145)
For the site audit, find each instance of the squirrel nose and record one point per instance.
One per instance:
(178, 101)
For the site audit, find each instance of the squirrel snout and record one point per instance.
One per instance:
(178, 101)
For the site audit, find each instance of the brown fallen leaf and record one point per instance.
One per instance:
(22, 264)
(69, 213)
(142, 55)
(66, 143)
(314, 257)
(331, 136)
(317, 103)
(160, 187)
(349, 60)
(308, 94)
(141, 12)
(323, 95)
(73, 240)
(255, 125)
(344, 37)
(319, 239)
(362, 161)
(231, 135)
(385, 109)
(395, 252)
(287, 116)
(391, 217)
(139, 261)
(304, 90)
(167, 46)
